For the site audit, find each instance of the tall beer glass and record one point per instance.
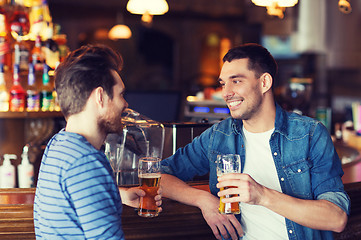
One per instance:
(229, 163)
(149, 179)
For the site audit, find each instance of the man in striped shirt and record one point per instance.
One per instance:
(76, 195)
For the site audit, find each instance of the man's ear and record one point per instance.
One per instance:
(99, 96)
(266, 82)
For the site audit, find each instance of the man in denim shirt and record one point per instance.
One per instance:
(290, 186)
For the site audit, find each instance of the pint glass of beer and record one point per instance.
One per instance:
(149, 179)
(229, 163)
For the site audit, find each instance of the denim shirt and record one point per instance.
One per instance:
(306, 161)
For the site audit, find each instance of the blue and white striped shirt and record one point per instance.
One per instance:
(76, 195)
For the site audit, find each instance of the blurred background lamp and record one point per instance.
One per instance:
(152, 7)
(120, 31)
(275, 7)
(147, 8)
(280, 3)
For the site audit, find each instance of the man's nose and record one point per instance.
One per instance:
(227, 92)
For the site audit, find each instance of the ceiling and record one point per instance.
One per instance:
(201, 8)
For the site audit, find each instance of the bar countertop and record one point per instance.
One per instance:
(176, 221)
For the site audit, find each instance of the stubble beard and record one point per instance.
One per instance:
(249, 112)
(110, 125)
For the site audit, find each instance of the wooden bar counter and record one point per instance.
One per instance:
(176, 222)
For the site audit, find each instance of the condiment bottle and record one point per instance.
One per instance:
(7, 172)
(25, 170)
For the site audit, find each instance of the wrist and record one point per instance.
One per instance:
(201, 197)
(266, 198)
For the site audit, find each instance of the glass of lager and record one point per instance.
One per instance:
(149, 179)
(228, 163)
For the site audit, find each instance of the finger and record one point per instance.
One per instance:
(222, 230)
(233, 182)
(157, 197)
(236, 224)
(230, 176)
(160, 209)
(233, 199)
(230, 230)
(216, 232)
(158, 203)
(140, 192)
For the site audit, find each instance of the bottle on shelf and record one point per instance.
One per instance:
(32, 93)
(56, 102)
(4, 93)
(25, 170)
(5, 52)
(17, 93)
(19, 21)
(46, 93)
(37, 56)
(51, 49)
(21, 52)
(61, 40)
(36, 18)
(7, 172)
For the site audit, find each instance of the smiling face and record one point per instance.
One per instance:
(241, 89)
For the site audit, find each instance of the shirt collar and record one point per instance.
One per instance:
(280, 122)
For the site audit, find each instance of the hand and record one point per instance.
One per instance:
(130, 196)
(219, 223)
(244, 186)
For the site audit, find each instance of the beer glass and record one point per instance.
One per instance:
(149, 179)
(229, 163)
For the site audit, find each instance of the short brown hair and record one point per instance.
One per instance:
(81, 72)
(260, 59)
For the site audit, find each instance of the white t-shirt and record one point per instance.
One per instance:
(259, 222)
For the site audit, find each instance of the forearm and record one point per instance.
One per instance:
(176, 189)
(315, 214)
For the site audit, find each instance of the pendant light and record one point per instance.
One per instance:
(120, 31)
(275, 7)
(147, 8)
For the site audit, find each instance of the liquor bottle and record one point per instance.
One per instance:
(51, 49)
(61, 40)
(4, 94)
(17, 92)
(37, 56)
(56, 101)
(32, 94)
(5, 51)
(46, 94)
(21, 53)
(19, 21)
(36, 17)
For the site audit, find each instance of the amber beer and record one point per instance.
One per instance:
(149, 182)
(228, 208)
(228, 163)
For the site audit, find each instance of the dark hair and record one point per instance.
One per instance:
(259, 58)
(81, 72)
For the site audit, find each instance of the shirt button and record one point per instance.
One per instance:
(282, 179)
(299, 170)
(290, 231)
(275, 153)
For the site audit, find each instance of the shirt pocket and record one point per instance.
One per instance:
(299, 178)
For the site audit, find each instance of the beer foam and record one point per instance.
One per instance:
(149, 175)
